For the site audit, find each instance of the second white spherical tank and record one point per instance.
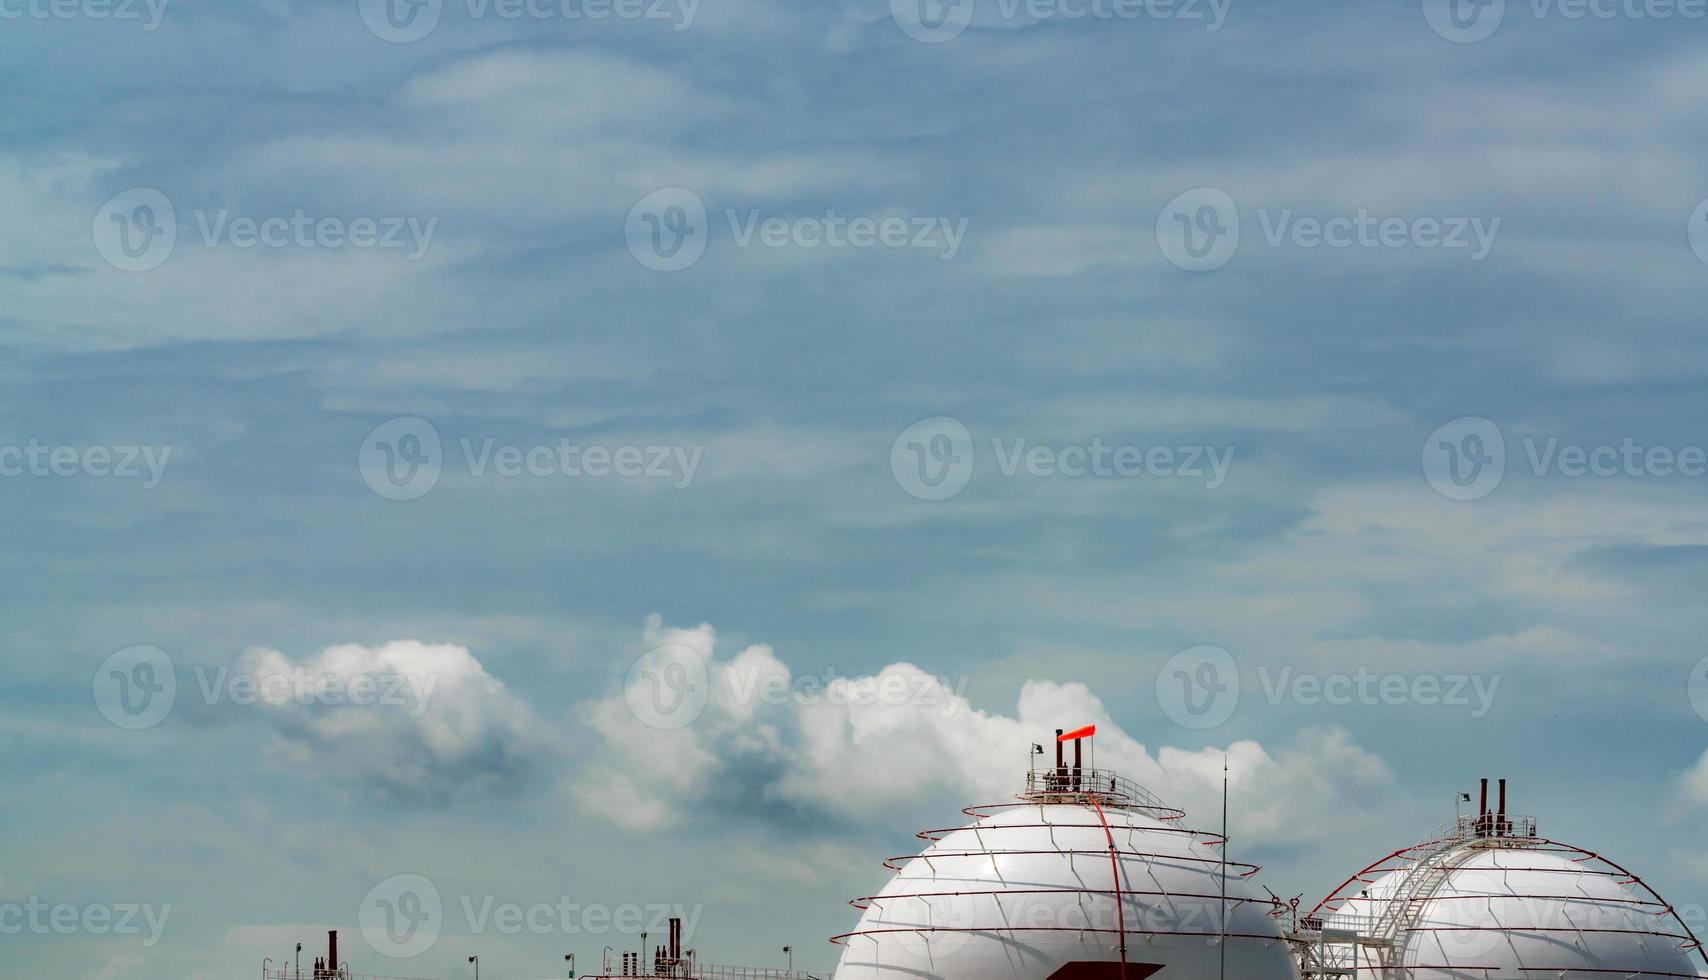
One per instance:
(1532, 911)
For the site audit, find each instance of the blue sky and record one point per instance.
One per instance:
(461, 234)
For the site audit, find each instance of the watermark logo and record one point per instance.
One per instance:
(1469, 21)
(1369, 689)
(1697, 231)
(136, 687)
(1199, 230)
(408, 21)
(1199, 688)
(932, 459)
(667, 230)
(1697, 686)
(1476, 941)
(136, 230)
(1465, 459)
(404, 916)
(149, 13)
(938, 21)
(401, 917)
(933, 928)
(402, 458)
(932, 21)
(37, 459)
(36, 917)
(410, 693)
(668, 687)
(401, 21)
(1362, 229)
(1464, 21)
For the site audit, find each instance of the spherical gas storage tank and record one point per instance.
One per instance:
(1087, 877)
(1488, 898)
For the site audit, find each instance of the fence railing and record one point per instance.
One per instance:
(686, 969)
(1108, 786)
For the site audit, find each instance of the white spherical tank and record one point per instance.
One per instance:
(1490, 898)
(1089, 877)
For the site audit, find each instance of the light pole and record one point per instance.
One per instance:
(299, 959)
(476, 961)
(789, 951)
(570, 957)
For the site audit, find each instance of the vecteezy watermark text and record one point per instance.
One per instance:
(407, 21)
(403, 916)
(137, 688)
(35, 917)
(149, 13)
(1368, 688)
(934, 459)
(938, 21)
(1467, 458)
(1200, 688)
(668, 230)
(1200, 230)
(403, 458)
(137, 231)
(34, 459)
(303, 687)
(1469, 21)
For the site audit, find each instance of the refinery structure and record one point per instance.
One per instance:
(1085, 875)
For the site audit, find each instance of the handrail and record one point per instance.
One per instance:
(689, 968)
(1106, 786)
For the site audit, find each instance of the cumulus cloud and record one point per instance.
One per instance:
(405, 719)
(905, 742)
(1690, 791)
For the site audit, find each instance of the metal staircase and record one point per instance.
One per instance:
(1346, 945)
(1341, 944)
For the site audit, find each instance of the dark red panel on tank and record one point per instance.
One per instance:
(1104, 971)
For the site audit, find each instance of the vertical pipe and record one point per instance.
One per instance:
(1061, 767)
(1483, 811)
(332, 952)
(1078, 758)
(1500, 821)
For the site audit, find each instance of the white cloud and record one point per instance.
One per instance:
(1690, 794)
(406, 718)
(903, 741)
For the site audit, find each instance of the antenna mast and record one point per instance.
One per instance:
(1222, 922)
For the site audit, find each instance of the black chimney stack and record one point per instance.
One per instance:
(332, 952)
(1078, 757)
(1500, 820)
